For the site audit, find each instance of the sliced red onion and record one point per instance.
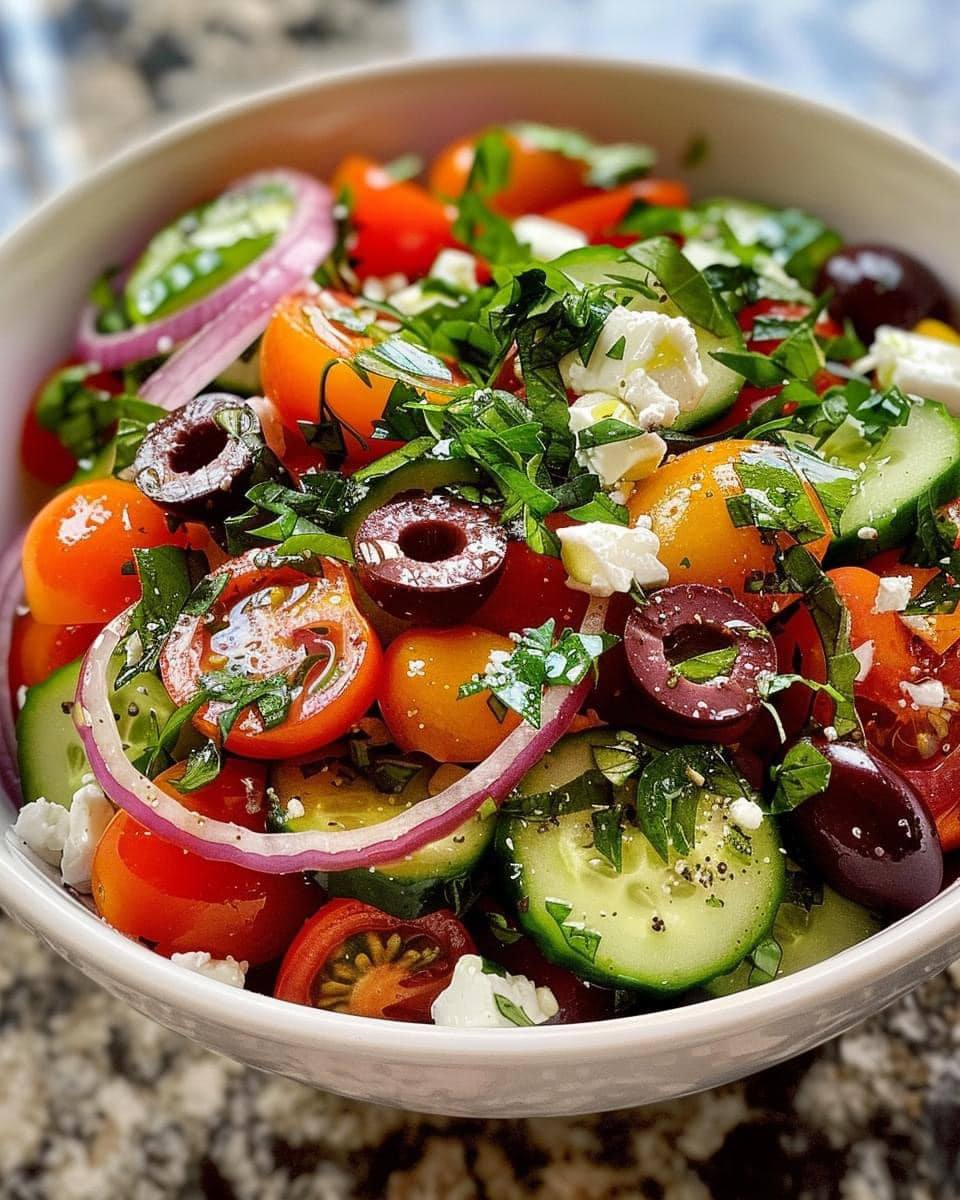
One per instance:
(314, 850)
(11, 595)
(295, 253)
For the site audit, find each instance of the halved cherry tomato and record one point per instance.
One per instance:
(41, 451)
(78, 564)
(355, 959)
(399, 227)
(299, 354)
(600, 214)
(275, 620)
(423, 670)
(539, 179)
(36, 650)
(686, 501)
(150, 888)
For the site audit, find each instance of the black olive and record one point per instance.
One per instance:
(868, 834)
(433, 559)
(683, 622)
(877, 285)
(199, 462)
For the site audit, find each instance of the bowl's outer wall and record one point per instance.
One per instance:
(761, 144)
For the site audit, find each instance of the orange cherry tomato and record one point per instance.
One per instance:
(423, 670)
(599, 215)
(299, 353)
(36, 650)
(276, 620)
(78, 564)
(151, 888)
(686, 501)
(352, 958)
(539, 179)
(398, 226)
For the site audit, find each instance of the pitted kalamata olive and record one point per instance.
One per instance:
(429, 558)
(199, 462)
(868, 834)
(878, 285)
(686, 621)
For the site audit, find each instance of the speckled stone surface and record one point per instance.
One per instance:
(97, 1102)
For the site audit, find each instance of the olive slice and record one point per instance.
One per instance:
(429, 558)
(198, 463)
(731, 646)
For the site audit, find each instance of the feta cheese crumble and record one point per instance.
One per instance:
(43, 827)
(921, 365)
(224, 970)
(632, 459)
(647, 360)
(928, 693)
(746, 813)
(864, 656)
(469, 1001)
(90, 814)
(601, 559)
(893, 594)
(455, 268)
(547, 239)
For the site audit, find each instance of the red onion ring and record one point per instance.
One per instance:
(295, 253)
(314, 850)
(11, 595)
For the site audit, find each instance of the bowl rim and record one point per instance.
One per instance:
(26, 892)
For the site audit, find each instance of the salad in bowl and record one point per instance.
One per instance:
(493, 593)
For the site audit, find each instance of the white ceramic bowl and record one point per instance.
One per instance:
(762, 144)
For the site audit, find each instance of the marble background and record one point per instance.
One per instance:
(95, 1101)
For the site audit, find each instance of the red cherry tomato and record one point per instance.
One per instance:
(150, 888)
(42, 453)
(398, 226)
(278, 621)
(355, 959)
(599, 215)
(36, 650)
(784, 310)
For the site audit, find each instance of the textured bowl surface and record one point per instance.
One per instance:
(763, 144)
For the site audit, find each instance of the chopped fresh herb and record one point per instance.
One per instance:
(802, 773)
(608, 835)
(486, 232)
(773, 496)
(769, 684)
(617, 761)
(581, 940)
(517, 680)
(618, 347)
(607, 165)
(510, 1011)
(697, 151)
(766, 957)
(940, 595)
(502, 930)
(601, 508)
(203, 766)
(685, 285)
(270, 696)
(396, 358)
(585, 792)
(702, 668)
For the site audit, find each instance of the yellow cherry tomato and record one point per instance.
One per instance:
(932, 328)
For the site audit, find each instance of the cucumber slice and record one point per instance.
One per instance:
(51, 759)
(242, 377)
(655, 925)
(807, 938)
(911, 459)
(336, 796)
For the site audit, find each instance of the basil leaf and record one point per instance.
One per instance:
(588, 791)
(477, 225)
(601, 508)
(608, 835)
(396, 358)
(803, 772)
(607, 165)
(578, 937)
(165, 586)
(511, 1011)
(766, 957)
(271, 696)
(619, 760)
(685, 285)
(940, 595)
(203, 767)
(773, 497)
(702, 668)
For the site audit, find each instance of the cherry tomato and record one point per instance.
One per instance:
(150, 888)
(423, 669)
(599, 215)
(531, 589)
(538, 179)
(355, 959)
(278, 621)
(299, 348)
(784, 310)
(398, 226)
(36, 650)
(42, 453)
(686, 501)
(78, 563)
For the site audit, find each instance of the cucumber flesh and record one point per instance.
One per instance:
(336, 796)
(655, 925)
(913, 458)
(51, 759)
(806, 938)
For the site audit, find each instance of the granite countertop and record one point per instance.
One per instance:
(95, 1100)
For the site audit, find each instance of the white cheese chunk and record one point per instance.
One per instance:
(224, 970)
(631, 459)
(455, 268)
(864, 656)
(602, 559)
(547, 239)
(90, 814)
(928, 693)
(647, 360)
(746, 813)
(923, 366)
(470, 999)
(43, 826)
(893, 594)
